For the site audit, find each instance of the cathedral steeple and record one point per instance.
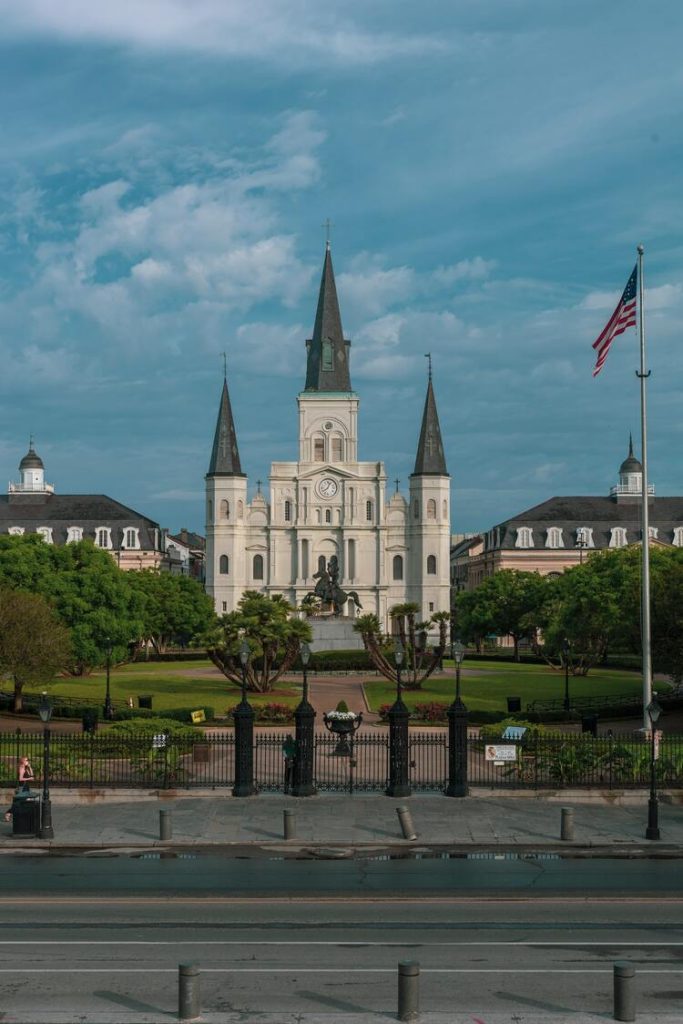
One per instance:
(225, 457)
(430, 459)
(328, 352)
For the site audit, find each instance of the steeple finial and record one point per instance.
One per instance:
(397, 482)
(428, 355)
(225, 366)
(630, 445)
(30, 443)
(327, 225)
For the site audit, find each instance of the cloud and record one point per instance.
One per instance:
(475, 269)
(368, 288)
(242, 29)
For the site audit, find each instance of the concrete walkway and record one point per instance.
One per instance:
(215, 819)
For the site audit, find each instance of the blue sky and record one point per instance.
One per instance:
(489, 168)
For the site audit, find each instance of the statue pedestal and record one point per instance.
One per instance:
(334, 635)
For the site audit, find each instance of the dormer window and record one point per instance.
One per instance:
(652, 532)
(46, 533)
(16, 531)
(678, 536)
(74, 534)
(584, 537)
(553, 538)
(617, 538)
(525, 537)
(103, 537)
(131, 538)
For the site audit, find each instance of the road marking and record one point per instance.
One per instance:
(320, 970)
(348, 943)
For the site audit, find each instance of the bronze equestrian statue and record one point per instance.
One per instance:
(328, 590)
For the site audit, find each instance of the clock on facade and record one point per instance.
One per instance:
(327, 487)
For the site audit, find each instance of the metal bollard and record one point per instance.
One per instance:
(624, 990)
(406, 821)
(165, 825)
(567, 826)
(289, 824)
(408, 990)
(188, 992)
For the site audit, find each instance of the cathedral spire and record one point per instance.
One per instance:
(430, 459)
(328, 353)
(225, 457)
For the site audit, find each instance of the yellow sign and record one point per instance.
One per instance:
(198, 716)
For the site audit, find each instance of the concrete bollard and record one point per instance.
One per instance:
(289, 824)
(408, 990)
(188, 992)
(165, 825)
(567, 826)
(624, 990)
(406, 821)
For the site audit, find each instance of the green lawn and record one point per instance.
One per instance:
(486, 686)
(171, 686)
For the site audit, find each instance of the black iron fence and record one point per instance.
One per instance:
(165, 762)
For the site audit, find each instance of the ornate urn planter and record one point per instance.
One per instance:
(343, 724)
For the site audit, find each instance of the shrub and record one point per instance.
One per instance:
(430, 711)
(143, 727)
(494, 731)
(342, 706)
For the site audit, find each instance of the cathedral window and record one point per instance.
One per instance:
(328, 515)
(431, 509)
(46, 533)
(304, 559)
(553, 538)
(398, 567)
(525, 537)
(431, 606)
(103, 537)
(336, 449)
(132, 538)
(322, 565)
(617, 537)
(318, 449)
(368, 511)
(209, 508)
(445, 509)
(678, 536)
(288, 511)
(328, 355)
(74, 533)
(352, 559)
(416, 509)
(225, 509)
(240, 509)
(223, 565)
(225, 606)
(318, 516)
(431, 565)
(258, 567)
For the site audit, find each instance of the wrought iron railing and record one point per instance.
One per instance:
(102, 760)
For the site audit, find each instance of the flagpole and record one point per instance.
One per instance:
(645, 512)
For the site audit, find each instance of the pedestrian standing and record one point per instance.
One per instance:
(289, 754)
(24, 777)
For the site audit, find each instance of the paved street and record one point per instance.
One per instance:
(320, 962)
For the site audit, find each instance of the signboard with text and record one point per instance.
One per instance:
(501, 752)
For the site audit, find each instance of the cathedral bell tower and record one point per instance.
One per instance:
(226, 509)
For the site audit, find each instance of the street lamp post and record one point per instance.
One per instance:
(45, 712)
(304, 719)
(457, 733)
(244, 735)
(108, 709)
(398, 736)
(565, 655)
(652, 831)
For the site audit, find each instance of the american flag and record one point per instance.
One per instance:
(623, 316)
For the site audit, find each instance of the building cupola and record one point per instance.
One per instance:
(32, 473)
(630, 484)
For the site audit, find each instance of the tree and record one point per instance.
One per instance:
(378, 648)
(89, 593)
(172, 608)
(509, 603)
(34, 644)
(273, 634)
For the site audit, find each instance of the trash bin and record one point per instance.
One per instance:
(26, 814)
(89, 720)
(514, 704)
(145, 702)
(589, 723)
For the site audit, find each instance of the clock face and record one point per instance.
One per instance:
(328, 487)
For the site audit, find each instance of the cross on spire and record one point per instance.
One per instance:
(397, 482)
(327, 225)
(428, 355)
(258, 486)
(225, 365)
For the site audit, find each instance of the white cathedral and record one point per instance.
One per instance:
(327, 503)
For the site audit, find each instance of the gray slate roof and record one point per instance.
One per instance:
(225, 457)
(597, 513)
(89, 511)
(430, 459)
(328, 370)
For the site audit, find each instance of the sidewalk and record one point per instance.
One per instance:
(347, 826)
